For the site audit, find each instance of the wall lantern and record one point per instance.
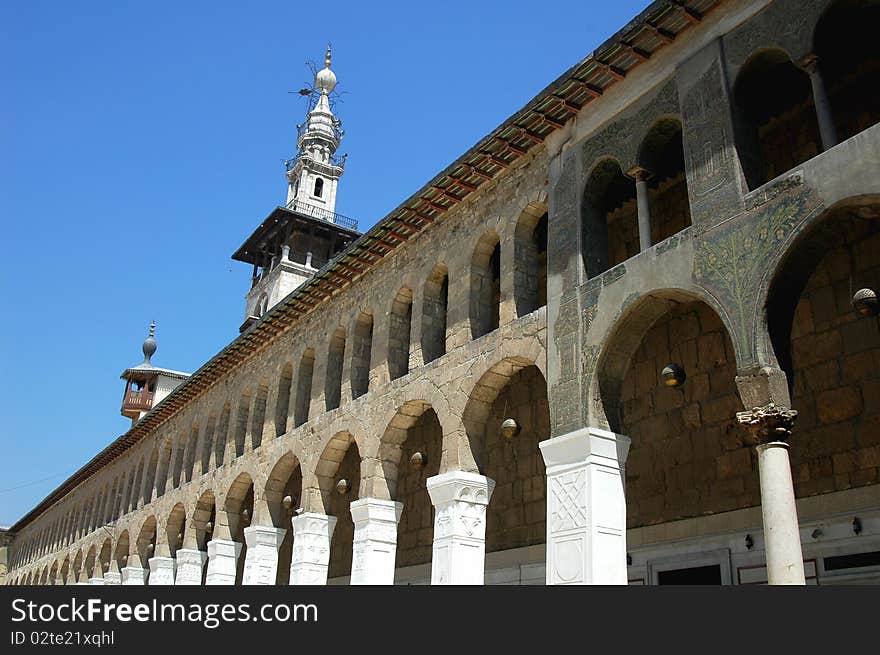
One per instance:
(342, 486)
(509, 428)
(865, 302)
(179, 539)
(287, 503)
(817, 533)
(125, 560)
(150, 549)
(418, 460)
(750, 543)
(246, 516)
(209, 527)
(857, 525)
(673, 375)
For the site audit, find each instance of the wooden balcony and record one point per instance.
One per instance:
(137, 401)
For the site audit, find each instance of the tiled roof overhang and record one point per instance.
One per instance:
(658, 25)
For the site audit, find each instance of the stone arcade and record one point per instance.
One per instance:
(624, 338)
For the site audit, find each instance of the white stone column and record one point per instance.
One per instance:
(134, 575)
(261, 559)
(190, 564)
(827, 130)
(96, 581)
(375, 540)
(785, 560)
(222, 561)
(586, 507)
(459, 551)
(161, 570)
(643, 207)
(311, 548)
(769, 425)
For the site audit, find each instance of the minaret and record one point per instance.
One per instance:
(146, 385)
(314, 172)
(296, 240)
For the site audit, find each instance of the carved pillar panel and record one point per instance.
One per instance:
(134, 575)
(261, 560)
(311, 548)
(190, 564)
(375, 540)
(586, 507)
(222, 561)
(459, 553)
(162, 570)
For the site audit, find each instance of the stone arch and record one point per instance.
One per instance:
(192, 446)
(222, 434)
(178, 456)
(285, 479)
(54, 571)
(239, 507)
(361, 353)
(146, 541)
(258, 420)
(661, 157)
(282, 404)
(89, 563)
(175, 528)
(688, 456)
(485, 278)
(204, 518)
(399, 331)
(166, 453)
(340, 459)
(434, 313)
(135, 490)
(773, 107)
(303, 400)
(120, 554)
(827, 349)
(112, 501)
(64, 571)
(208, 441)
(414, 427)
(609, 219)
(241, 421)
(105, 555)
(848, 52)
(530, 259)
(150, 477)
(333, 377)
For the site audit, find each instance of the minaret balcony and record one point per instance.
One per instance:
(137, 400)
(320, 213)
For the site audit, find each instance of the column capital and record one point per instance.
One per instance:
(639, 174)
(262, 535)
(810, 63)
(585, 445)
(190, 563)
(375, 540)
(463, 486)
(768, 423)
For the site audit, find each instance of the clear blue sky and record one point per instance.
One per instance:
(140, 143)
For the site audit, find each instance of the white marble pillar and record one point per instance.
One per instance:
(190, 564)
(770, 425)
(459, 551)
(375, 540)
(134, 575)
(222, 561)
(310, 559)
(96, 581)
(586, 507)
(261, 559)
(162, 571)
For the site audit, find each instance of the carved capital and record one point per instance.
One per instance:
(768, 423)
(638, 173)
(810, 63)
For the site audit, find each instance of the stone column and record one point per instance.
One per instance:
(586, 507)
(375, 540)
(820, 100)
(97, 573)
(112, 576)
(311, 548)
(771, 428)
(162, 570)
(459, 551)
(222, 561)
(261, 559)
(190, 564)
(640, 175)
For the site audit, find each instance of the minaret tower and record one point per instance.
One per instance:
(296, 240)
(313, 174)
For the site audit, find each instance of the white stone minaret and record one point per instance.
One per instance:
(314, 172)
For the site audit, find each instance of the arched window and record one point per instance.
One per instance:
(400, 324)
(661, 157)
(362, 346)
(609, 221)
(434, 313)
(319, 187)
(530, 260)
(485, 302)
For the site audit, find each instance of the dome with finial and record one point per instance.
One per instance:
(150, 345)
(325, 80)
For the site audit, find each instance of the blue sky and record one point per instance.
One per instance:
(141, 143)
